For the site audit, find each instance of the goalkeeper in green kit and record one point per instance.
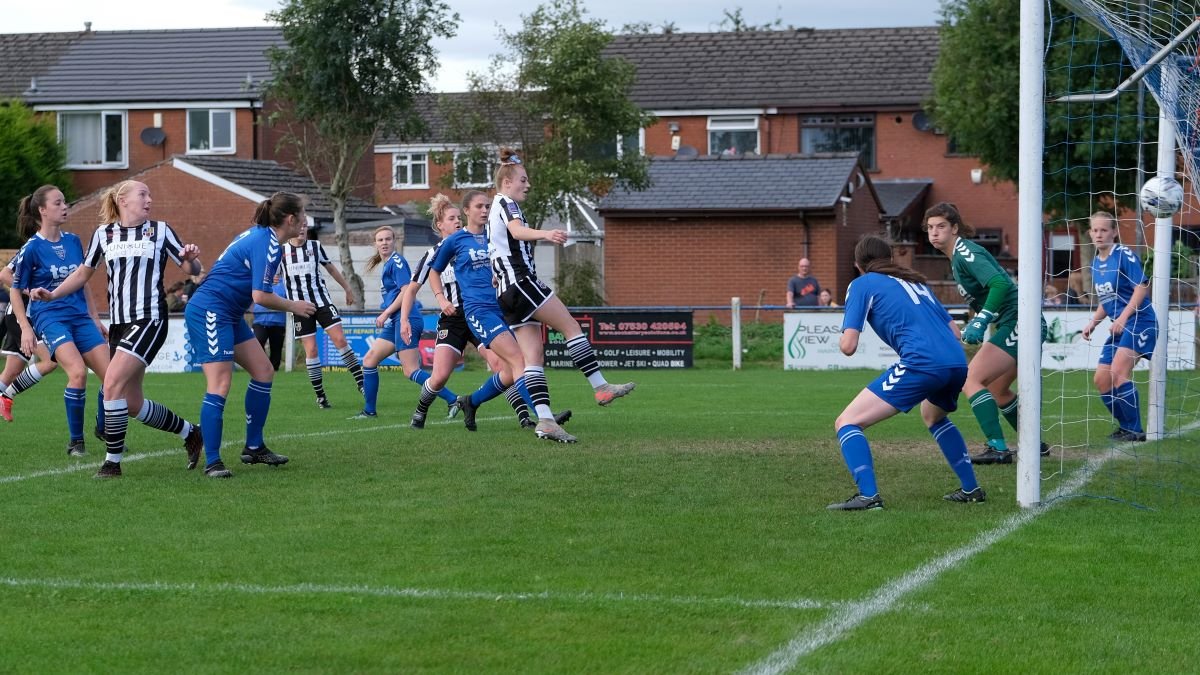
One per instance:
(992, 295)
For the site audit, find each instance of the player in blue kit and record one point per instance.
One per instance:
(1122, 290)
(898, 305)
(242, 276)
(68, 326)
(396, 275)
(467, 252)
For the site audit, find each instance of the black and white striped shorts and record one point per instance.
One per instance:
(520, 300)
(142, 338)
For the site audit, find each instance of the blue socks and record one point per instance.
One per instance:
(857, 453)
(74, 399)
(370, 389)
(1126, 408)
(487, 391)
(258, 404)
(954, 449)
(212, 423)
(419, 376)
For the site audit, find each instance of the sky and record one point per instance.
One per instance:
(471, 49)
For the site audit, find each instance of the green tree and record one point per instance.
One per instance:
(1091, 148)
(734, 22)
(555, 96)
(351, 70)
(30, 156)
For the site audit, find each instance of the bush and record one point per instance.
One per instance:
(762, 344)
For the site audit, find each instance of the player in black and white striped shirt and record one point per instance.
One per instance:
(19, 374)
(526, 301)
(136, 250)
(301, 266)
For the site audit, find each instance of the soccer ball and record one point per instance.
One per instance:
(1162, 196)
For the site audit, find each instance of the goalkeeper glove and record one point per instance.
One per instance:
(976, 329)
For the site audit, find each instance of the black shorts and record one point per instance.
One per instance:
(11, 344)
(520, 300)
(452, 331)
(142, 338)
(326, 316)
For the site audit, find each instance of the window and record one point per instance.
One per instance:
(410, 170)
(210, 131)
(839, 133)
(472, 171)
(94, 140)
(732, 135)
(1062, 250)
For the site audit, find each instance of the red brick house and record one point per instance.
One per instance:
(124, 101)
(708, 231)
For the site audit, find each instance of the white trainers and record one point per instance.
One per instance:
(550, 431)
(607, 393)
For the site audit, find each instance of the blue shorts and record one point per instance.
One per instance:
(903, 388)
(213, 338)
(1141, 338)
(56, 331)
(486, 323)
(391, 332)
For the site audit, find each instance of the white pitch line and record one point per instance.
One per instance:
(413, 593)
(849, 616)
(133, 457)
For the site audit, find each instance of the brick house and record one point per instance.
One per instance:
(125, 101)
(708, 231)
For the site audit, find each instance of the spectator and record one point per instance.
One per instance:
(175, 300)
(1075, 292)
(1051, 297)
(825, 299)
(190, 284)
(803, 289)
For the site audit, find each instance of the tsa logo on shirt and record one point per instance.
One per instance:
(61, 272)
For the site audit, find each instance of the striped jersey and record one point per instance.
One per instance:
(449, 281)
(12, 267)
(512, 259)
(135, 258)
(301, 269)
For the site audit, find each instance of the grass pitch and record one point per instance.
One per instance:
(686, 532)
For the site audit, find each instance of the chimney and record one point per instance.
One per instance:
(87, 26)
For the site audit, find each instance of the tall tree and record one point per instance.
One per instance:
(30, 156)
(555, 96)
(1091, 149)
(351, 69)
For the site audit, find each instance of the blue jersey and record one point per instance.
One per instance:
(248, 264)
(396, 275)
(46, 264)
(1115, 279)
(468, 253)
(907, 317)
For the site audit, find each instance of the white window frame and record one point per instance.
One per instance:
(492, 165)
(641, 143)
(102, 164)
(406, 159)
(187, 123)
(734, 123)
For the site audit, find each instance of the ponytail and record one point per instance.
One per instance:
(510, 161)
(110, 210)
(272, 211)
(29, 219)
(874, 254)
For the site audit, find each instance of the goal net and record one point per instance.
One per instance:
(1121, 76)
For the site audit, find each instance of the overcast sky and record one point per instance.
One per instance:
(477, 32)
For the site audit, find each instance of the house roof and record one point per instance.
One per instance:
(897, 196)
(24, 56)
(742, 183)
(441, 112)
(265, 177)
(802, 68)
(210, 64)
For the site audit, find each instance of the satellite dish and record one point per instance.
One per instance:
(921, 121)
(686, 151)
(152, 136)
